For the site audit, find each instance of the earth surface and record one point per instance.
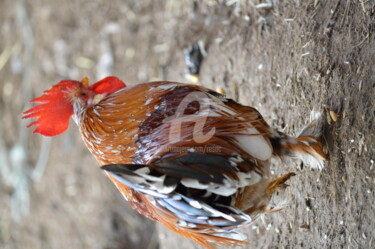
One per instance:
(285, 58)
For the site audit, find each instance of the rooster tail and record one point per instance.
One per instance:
(307, 146)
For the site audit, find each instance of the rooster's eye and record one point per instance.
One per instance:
(83, 94)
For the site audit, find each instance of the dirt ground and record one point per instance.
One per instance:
(285, 58)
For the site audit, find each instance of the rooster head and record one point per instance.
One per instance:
(56, 104)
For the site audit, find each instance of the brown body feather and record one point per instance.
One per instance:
(129, 127)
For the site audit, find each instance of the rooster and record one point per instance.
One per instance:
(180, 154)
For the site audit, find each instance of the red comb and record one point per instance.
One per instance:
(109, 84)
(54, 111)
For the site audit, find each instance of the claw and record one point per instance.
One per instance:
(279, 183)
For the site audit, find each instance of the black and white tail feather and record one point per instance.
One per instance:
(306, 146)
(169, 193)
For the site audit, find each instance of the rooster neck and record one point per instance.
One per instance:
(79, 108)
(105, 132)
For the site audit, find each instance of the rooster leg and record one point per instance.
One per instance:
(279, 183)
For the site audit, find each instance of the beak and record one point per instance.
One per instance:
(85, 81)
